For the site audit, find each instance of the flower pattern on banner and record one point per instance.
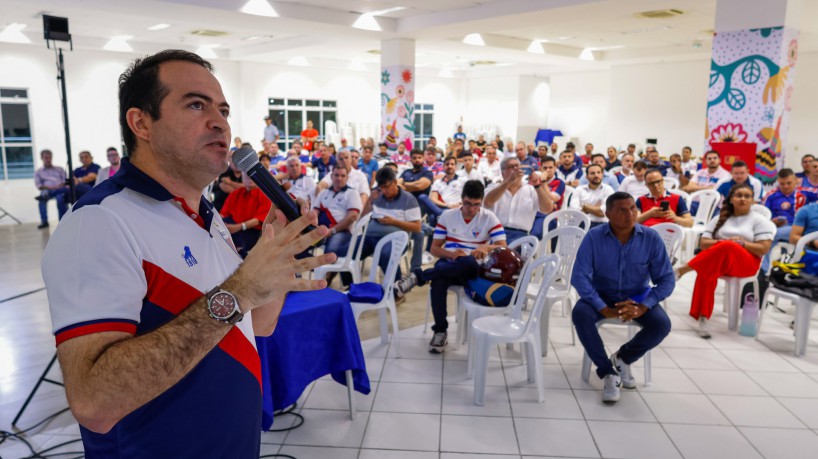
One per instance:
(729, 132)
(397, 107)
(406, 75)
(792, 52)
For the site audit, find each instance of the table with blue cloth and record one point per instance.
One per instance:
(316, 335)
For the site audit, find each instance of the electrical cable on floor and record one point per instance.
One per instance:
(288, 410)
(19, 436)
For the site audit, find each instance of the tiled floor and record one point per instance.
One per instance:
(730, 396)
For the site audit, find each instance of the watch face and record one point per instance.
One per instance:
(222, 305)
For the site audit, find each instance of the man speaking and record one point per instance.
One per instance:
(155, 334)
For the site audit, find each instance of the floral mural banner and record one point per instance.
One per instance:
(751, 84)
(398, 106)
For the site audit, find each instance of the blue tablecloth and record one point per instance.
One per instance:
(316, 335)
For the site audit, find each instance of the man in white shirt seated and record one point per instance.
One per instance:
(338, 208)
(489, 166)
(297, 184)
(568, 171)
(635, 184)
(627, 167)
(355, 179)
(590, 198)
(707, 177)
(607, 178)
(516, 204)
(462, 237)
(446, 190)
(469, 172)
(688, 163)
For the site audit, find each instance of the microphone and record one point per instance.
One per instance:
(246, 159)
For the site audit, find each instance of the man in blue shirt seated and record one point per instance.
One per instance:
(652, 158)
(615, 267)
(741, 174)
(806, 160)
(85, 176)
(783, 203)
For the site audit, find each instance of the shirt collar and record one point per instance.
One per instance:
(638, 229)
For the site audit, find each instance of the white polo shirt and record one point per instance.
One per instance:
(335, 205)
(634, 187)
(449, 191)
(457, 233)
(517, 211)
(585, 195)
(355, 179)
(303, 187)
(473, 175)
(490, 171)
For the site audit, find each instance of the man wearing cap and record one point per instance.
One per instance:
(344, 145)
(271, 134)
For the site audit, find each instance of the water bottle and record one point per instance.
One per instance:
(749, 316)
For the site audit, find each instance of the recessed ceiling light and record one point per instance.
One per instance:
(535, 47)
(367, 21)
(300, 61)
(587, 54)
(474, 39)
(259, 8)
(251, 38)
(13, 34)
(156, 27)
(119, 43)
(207, 52)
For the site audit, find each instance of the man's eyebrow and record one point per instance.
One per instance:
(196, 95)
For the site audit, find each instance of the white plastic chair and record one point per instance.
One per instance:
(672, 235)
(671, 183)
(803, 306)
(733, 286)
(708, 200)
(566, 197)
(683, 194)
(568, 240)
(489, 331)
(468, 310)
(398, 239)
(763, 210)
(565, 217)
(632, 327)
(351, 262)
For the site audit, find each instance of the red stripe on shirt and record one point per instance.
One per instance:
(167, 291)
(326, 212)
(235, 344)
(83, 330)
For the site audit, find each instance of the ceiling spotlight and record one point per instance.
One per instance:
(156, 27)
(206, 51)
(13, 34)
(587, 54)
(535, 47)
(119, 43)
(474, 39)
(259, 8)
(299, 61)
(367, 21)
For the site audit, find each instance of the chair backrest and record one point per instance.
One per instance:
(398, 241)
(671, 183)
(566, 196)
(800, 246)
(684, 195)
(708, 200)
(356, 248)
(763, 210)
(672, 235)
(546, 269)
(566, 217)
(526, 245)
(568, 240)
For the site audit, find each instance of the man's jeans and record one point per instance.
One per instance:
(61, 195)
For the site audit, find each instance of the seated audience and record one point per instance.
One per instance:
(613, 159)
(228, 181)
(355, 179)
(446, 190)
(383, 152)
(732, 245)
(689, 164)
(607, 178)
(810, 181)
(108, 171)
(265, 161)
(627, 167)
(489, 166)
(676, 171)
(469, 172)
(634, 185)
(296, 182)
(650, 205)
(740, 174)
(323, 162)
(345, 146)
(556, 187)
(400, 157)
(783, 203)
(515, 203)
(568, 170)
(50, 180)
(431, 163)
(338, 208)
(589, 152)
(528, 163)
(707, 177)
(243, 213)
(417, 180)
(590, 199)
(276, 155)
(806, 160)
(805, 222)
(653, 161)
(367, 164)
(462, 237)
(85, 176)
(621, 271)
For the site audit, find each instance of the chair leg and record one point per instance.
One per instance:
(395, 330)
(426, 317)
(803, 314)
(761, 310)
(648, 370)
(481, 346)
(383, 325)
(538, 367)
(545, 322)
(351, 395)
(731, 301)
(586, 367)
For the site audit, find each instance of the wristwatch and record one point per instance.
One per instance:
(244, 226)
(223, 306)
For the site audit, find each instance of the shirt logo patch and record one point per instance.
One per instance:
(189, 258)
(475, 233)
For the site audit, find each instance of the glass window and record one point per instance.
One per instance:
(313, 103)
(428, 107)
(278, 119)
(272, 101)
(16, 126)
(20, 162)
(295, 102)
(330, 103)
(427, 125)
(14, 93)
(315, 117)
(294, 124)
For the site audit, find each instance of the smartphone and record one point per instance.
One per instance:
(664, 205)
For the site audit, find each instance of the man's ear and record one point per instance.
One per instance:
(140, 123)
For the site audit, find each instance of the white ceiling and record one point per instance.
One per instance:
(321, 31)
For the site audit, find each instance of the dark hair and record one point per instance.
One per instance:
(416, 151)
(366, 147)
(653, 169)
(808, 156)
(688, 148)
(739, 163)
(383, 145)
(111, 148)
(264, 155)
(786, 172)
(450, 157)
(587, 169)
(246, 144)
(712, 152)
(548, 159)
(46, 151)
(432, 137)
(631, 145)
(390, 164)
(640, 165)
(140, 87)
(384, 176)
(598, 155)
(727, 210)
(566, 151)
(617, 196)
(570, 146)
(473, 189)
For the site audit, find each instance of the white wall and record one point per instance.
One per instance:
(491, 105)
(579, 105)
(533, 99)
(803, 135)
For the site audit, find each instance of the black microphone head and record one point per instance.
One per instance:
(245, 158)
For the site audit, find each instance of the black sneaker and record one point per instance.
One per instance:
(405, 284)
(438, 343)
(42, 226)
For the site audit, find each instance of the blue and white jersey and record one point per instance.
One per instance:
(138, 258)
(484, 228)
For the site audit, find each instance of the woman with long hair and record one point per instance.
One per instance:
(732, 245)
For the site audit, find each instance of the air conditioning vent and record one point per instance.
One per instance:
(659, 14)
(373, 51)
(208, 33)
(474, 63)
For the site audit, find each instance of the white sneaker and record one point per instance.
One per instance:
(427, 258)
(624, 370)
(703, 328)
(610, 393)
